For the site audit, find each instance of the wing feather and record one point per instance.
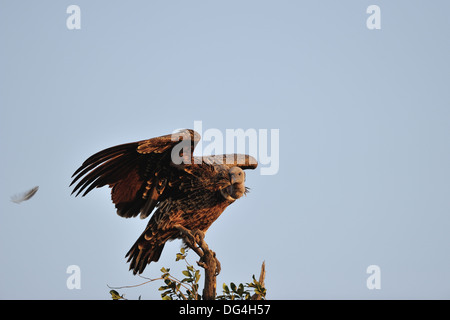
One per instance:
(137, 172)
(18, 198)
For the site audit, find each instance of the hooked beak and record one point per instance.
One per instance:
(225, 194)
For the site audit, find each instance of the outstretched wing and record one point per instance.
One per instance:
(138, 173)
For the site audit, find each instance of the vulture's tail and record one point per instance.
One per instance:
(146, 249)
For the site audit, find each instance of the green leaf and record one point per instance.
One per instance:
(233, 286)
(186, 273)
(115, 295)
(197, 275)
(182, 250)
(240, 290)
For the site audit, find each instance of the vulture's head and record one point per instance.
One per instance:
(237, 188)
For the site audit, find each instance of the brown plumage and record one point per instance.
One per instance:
(162, 176)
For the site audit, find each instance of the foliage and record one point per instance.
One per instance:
(243, 292)
(173, 288)
(188, 287)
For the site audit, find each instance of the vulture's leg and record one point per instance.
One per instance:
(198, 235)
(194, 240)
(199, 238)
(190, 239)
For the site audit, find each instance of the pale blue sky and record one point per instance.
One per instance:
(364, 120)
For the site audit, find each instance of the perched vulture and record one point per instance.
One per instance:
(162, 175)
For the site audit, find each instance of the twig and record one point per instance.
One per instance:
(261, 281)
(136, 285)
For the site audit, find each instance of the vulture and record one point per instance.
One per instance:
(161, 177)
